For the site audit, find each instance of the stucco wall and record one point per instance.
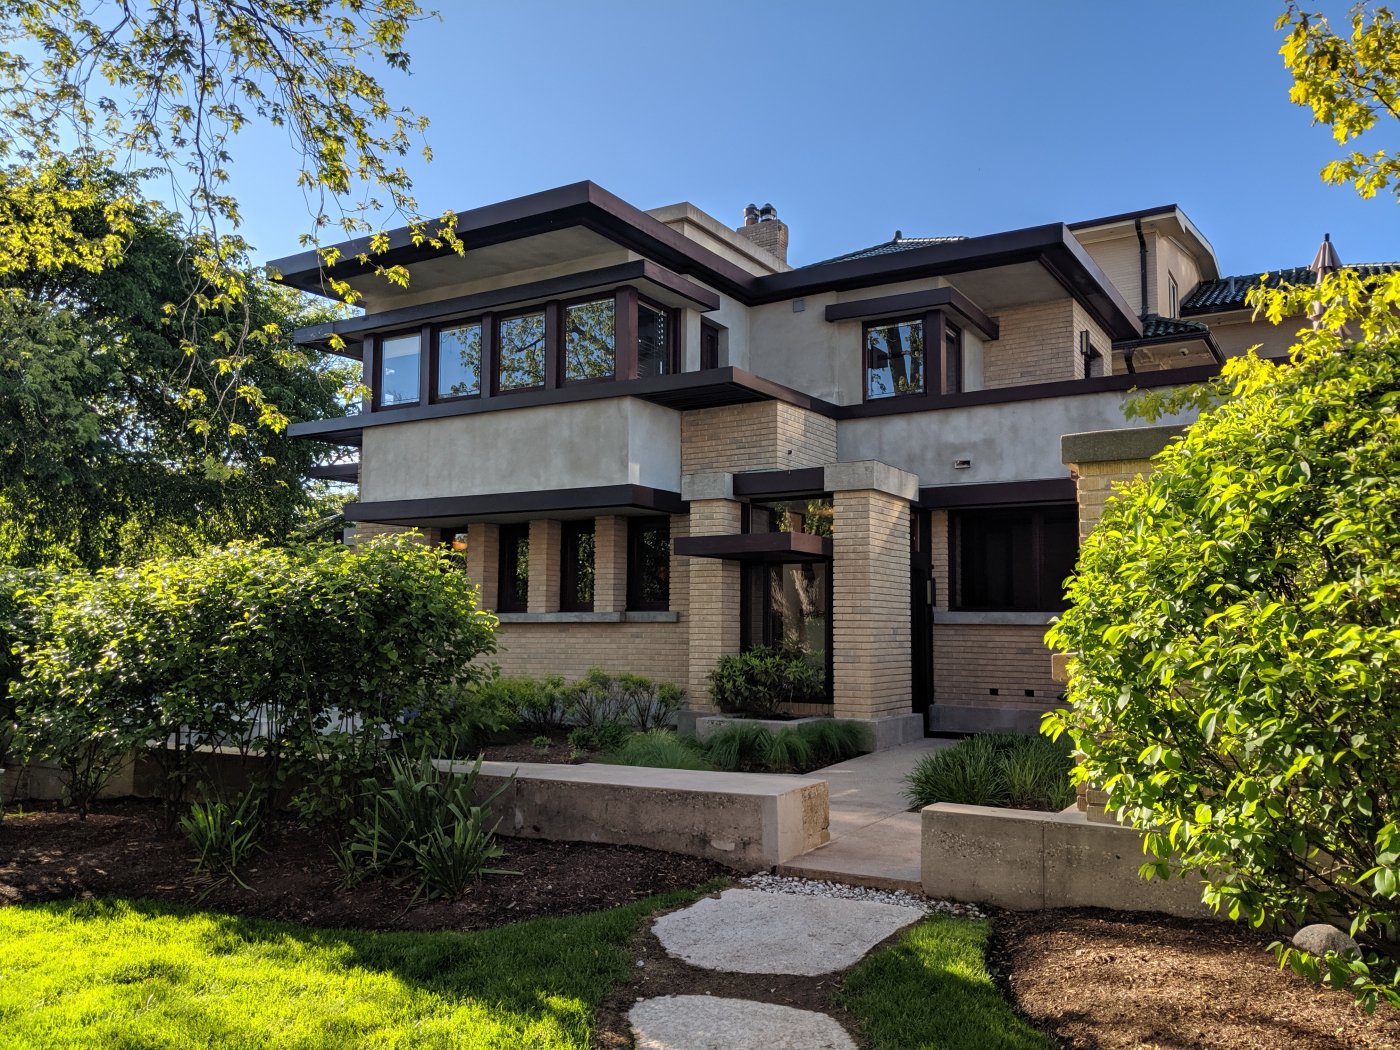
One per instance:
(616, 441)
(1237, 333)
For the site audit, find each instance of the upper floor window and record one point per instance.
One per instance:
(649, 563)
(1173, 296)
(709, 346)
(894, 358)
(654, 353)
(513, 591)
(1013, 559)
(520, 350)
(400, 358)
(590, 346)
(576, 567)
(459, 360)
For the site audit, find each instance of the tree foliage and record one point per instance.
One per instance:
(1236, 622)
(1350, 82)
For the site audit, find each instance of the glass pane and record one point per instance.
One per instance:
(652, 345)
(521, 352)
(588, 340)
(894, 360)
(519, 581)
(651, 566)
(459, 361)
(398, 370)
(580, 578)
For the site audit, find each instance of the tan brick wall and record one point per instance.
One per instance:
(870, 599)
(939, 555)
(763, 435)
(1038, 344)
(1094, 485)
(483, 561)
(610, 564)
(1082, 322)
(713, 587)
(970, 660)
(545, 538)
(657, 650)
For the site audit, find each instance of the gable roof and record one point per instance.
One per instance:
(1228, 293)
(897, 243)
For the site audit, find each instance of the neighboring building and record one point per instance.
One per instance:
(660, 442)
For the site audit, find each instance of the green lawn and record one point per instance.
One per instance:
(120, 974)
(931, 991)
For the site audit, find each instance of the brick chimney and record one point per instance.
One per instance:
(763, 228)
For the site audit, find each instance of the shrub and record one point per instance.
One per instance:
(624, 698)
(312, 658)
(748, 747)
(599, 736)
(538, 706)
(661, 748)
(425, 825)
(223, 837)
(739, 747)
(21, 609)
(760, 680)
(966, 773)
(834, 741)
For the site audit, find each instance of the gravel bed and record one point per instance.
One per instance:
(817, 888)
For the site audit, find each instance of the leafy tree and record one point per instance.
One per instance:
(99, 462)
(1350, 83)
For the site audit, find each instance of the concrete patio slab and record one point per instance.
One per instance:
(884, 855)
(706, 1022)
(747, 931)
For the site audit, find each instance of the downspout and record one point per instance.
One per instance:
(1142, 267)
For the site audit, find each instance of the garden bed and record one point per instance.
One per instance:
(122, 850)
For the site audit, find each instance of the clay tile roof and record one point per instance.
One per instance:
(1154, 326)
(1228, 293)
(897, 243)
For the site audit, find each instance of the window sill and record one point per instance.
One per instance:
(588, 617)
(1006, 619)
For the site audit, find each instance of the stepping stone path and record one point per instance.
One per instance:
(755, 931)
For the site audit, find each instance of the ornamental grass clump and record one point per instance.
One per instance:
(1005, 770)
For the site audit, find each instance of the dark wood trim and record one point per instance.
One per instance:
(625, 367)
(756, 546)
(489, 356)
(507, 554)
(636, 528)
(368, 379)
(348, 472)
(997, 494)
(563, 349)
(435, 343)
(553, 346)
(779, 484)
(504, 504)
(709, 345)
(671, 351)
(500, 319)
(376, 381)
(426, 359)
(914, 302)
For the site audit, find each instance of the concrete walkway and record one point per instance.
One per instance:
(874, 837)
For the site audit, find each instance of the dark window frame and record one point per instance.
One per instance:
(868, 363)
(943, 366)
(508, 567)
(377, 388)
(569, 534)
(562, 350)
(435, 366)
(671, 350)
(636, 528)
(540, 309)
(1048, 593)
(709, 345)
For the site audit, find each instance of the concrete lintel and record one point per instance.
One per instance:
(1109, 446)
(999, 619)
(712, 485)
(870, 474)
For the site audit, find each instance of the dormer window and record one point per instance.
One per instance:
(400, 360)
(1173, 297)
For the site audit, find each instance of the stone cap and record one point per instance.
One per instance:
(711, 485)
(1110, 446)
(869, 474)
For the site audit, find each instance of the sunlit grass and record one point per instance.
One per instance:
(137, 974)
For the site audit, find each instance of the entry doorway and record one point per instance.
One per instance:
(789, 603)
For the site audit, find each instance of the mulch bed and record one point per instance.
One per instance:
(1108, 980)
(557, 753)
(123, 850)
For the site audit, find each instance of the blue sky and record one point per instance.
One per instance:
(856, 119)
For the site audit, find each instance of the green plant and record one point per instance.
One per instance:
(599, 736)
(1036, 774)
(834, 741)
(538, 706)
(967, 773)
(661, 748)
(626, 698)
(223, 838)
(541, 743)
(739, 746)
(789, 751)
(758, 681)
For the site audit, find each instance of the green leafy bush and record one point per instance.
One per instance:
(624, 698)
(424, 825)
(538, 706)
(21, 609)
(1020, 772)
(223, 837)
(312, 659)
(1236, 623)
(599, 736)
(660, 748)
(759, 681)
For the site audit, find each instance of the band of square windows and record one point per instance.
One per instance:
(619, 335)
(901, 358)
(648, 566)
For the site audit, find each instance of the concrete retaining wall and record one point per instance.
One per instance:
(749, 821)
(1029, 861)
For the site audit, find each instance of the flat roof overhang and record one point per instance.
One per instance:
(756, 547)
(446, 511)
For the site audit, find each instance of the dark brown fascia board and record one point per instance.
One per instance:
(994, 494)
(779, 484)
(335, 472)
(714, 386)
(545, 501)
(479, 302)
(1167, 340)
(1126, 216)
(910, 302)
(756, 546)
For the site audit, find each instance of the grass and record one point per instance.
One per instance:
(747, 747)
(1020, 772)
(139, 974)
(660, 748)
(931, 991)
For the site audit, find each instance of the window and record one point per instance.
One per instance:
(648, 563)
(952, 359)
(1173, 296)
(653, 341)
(513, 594)
(400, 357)
(459, 361)
(520, 350)
(576, 567)
(894, 359)
(1013, 559)
(589, 340)
(709, 346)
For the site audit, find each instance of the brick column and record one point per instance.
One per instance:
(713, 604)
(870, 622)
(544, 565)
(483, 560)
(609, 564)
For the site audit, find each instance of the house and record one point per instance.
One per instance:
(659, 442)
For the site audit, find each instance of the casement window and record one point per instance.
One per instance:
(709, 346)
(520, 352)
(576, 561)
(513, 590)
(655, 341)
(400, 361)
(590, 340)
(894, 358)
(952, 359)
(1013, 559)
(1173, 296)
(649, 563)
(459, 361)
